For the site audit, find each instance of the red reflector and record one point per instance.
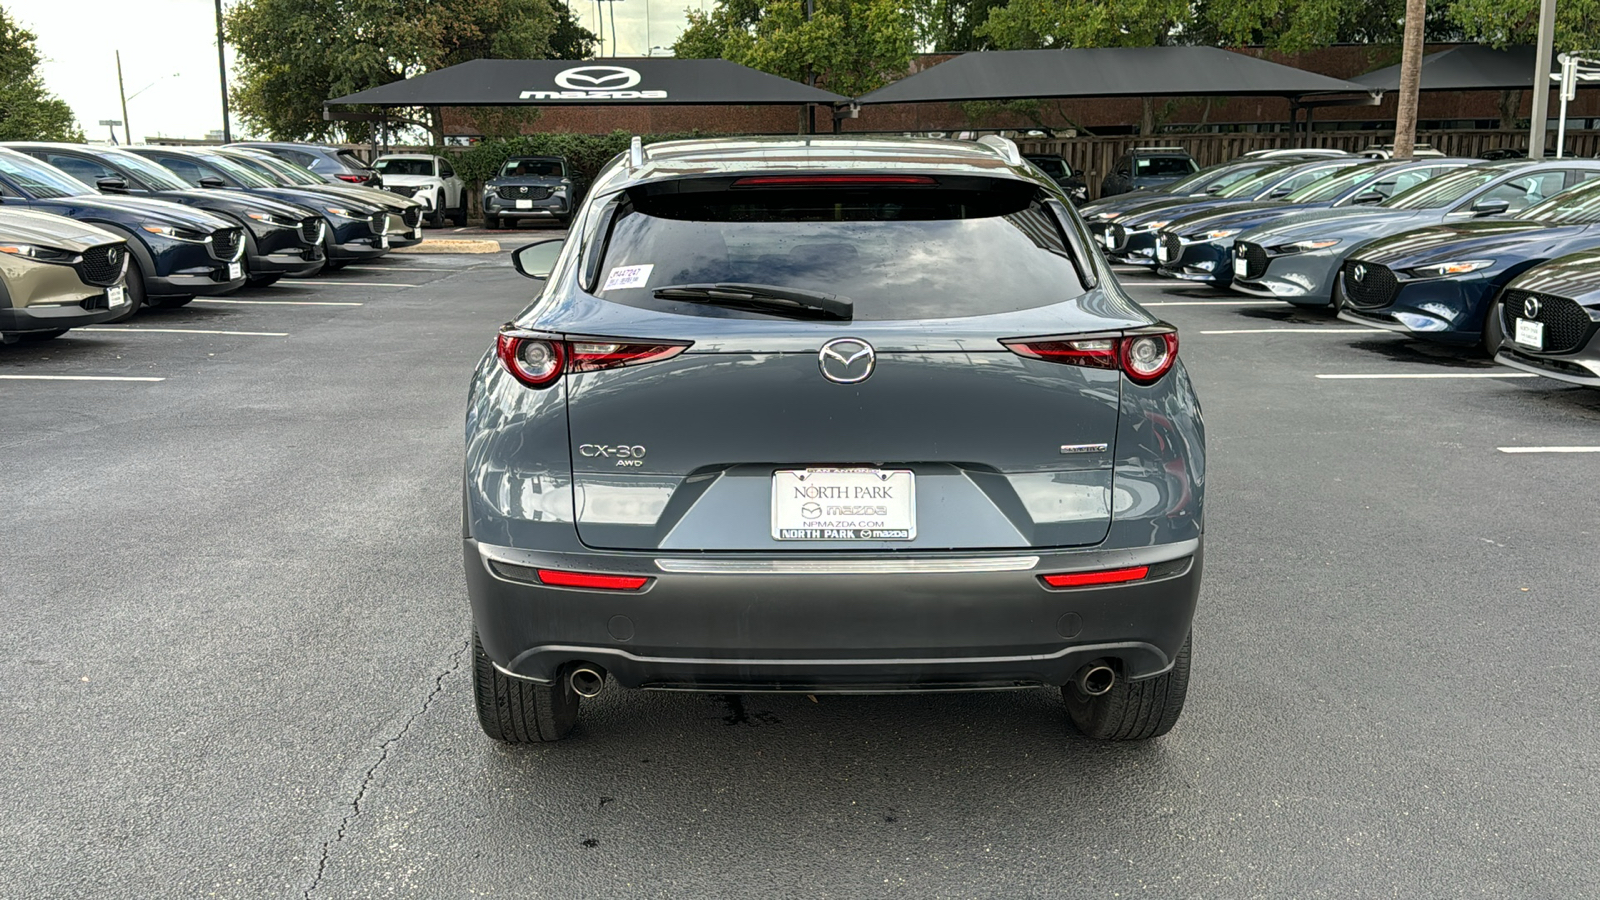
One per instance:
(1109, 576)
(559, 578)
(832, 180)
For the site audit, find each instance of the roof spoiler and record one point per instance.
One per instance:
(1005, 147)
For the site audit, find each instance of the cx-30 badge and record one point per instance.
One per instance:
(846, 360)
(1530, 307)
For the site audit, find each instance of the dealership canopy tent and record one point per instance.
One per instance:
(602, 82)
(1471, 67)
(1105, 72)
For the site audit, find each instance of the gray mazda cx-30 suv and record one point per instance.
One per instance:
(847, 415)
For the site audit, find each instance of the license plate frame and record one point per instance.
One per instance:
(1240, 267)
(1528, 333)
(383, 242)
(235, 271)
(116, 295)
(834, 504)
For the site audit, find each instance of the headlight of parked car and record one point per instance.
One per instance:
(176, 233)
(269, 219)
(1458, 267)
(345, 212)
(34, 251)
(1217, 234)
(1306, 246)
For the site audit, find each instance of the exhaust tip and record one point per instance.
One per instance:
(1096, 679)
(587, 680)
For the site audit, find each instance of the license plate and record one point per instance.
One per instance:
(383, 242)
(1239, 267)
(524, 204)
(1529, 334)
(416, 232)
(116, 296)
(235, 270)
(1163, 254)
(844, 505)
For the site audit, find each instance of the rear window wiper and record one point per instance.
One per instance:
(763, 298)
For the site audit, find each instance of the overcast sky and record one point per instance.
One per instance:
(169, 55)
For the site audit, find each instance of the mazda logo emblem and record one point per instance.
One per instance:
(1530, 307)
(1359, 273)
(591, 78)
(846, 360)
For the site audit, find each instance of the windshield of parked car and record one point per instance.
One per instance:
(1163, 166)
(1444, 190)
(245, 176)
(1577, 206)
(532, 168)
(402, 166)
(156, 177)
(41, 181)
(896, 253)
(1257, 183)
(1331, 186)
(1054, 166)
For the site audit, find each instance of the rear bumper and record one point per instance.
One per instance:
(714, 624)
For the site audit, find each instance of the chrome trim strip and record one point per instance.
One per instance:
(845, 566)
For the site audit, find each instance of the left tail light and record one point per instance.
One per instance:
(1143, 355)
(353, 179)
(538, 360)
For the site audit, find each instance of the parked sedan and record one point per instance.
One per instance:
(1207, 182)
(1131, 240)
(765, 430)
(1060, 171)
(175, 252)
(1147, 167)
(430, 180)
(1550, 316)
(337, 165)
(1439, 282)
(57, 274)
(1199, 247)
(1296, 258)
(355, 230)
(532, 187)
(404, 226)
(279, 238)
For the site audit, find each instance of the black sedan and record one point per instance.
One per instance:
(1438, 282)
(1551, 318)
(280, 238)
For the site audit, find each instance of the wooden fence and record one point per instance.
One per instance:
(1094, 156)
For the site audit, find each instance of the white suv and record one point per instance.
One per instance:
(431, 180)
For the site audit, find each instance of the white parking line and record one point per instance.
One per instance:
(1434, 375)
(277, 302)
(351, 283)
(1299, 331)
(1548, 449)
(1216, 303)
(188, 331)
(75, 378)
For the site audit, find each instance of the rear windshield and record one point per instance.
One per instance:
(1163, 166)
(895, 253)
(423, 167)
(352, 159)
(1054, 166)
(1442, 191)
(538, 168)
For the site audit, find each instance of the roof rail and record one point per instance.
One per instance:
(636, 153)
(1006, 147)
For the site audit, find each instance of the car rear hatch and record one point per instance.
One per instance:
(908, 425)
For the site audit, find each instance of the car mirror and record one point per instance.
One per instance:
(1490, 207)
(112, 185)
(1367, 197)
(1279, 194)
(537, 259)
(212, 181)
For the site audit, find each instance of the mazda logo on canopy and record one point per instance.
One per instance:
(596, 83)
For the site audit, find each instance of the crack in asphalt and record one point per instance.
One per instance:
(372, 770)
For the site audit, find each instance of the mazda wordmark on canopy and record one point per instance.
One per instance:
(830, 415)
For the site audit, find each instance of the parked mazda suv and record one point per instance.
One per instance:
(404, 226)
(430, 180)
(355, 230)
(1147, 167)
(1550, 316)
(532, 187)
(175, 252)
(830, 415)
(1438, 283)
(1295, 258)
(280, 238)
(338, 165)
(1199, 247)
(57, 274)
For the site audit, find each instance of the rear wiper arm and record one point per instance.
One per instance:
(763, 298)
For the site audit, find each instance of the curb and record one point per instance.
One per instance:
(451, 246)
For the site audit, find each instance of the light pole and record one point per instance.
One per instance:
(222, 76)
(127, 127)
(1538, 128)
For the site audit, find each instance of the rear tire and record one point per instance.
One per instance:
(1132, 710)
(436, 212)
(517, 711)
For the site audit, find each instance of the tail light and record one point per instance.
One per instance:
(1107, 576)
(1144, 355)
(560, 578)
(353, 179)
(538, 360)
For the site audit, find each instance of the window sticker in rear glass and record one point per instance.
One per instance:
(628, 277)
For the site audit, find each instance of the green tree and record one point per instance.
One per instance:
(1501, 23)
(951, 26)
(294, 54)
(28, 112)
(852, 46)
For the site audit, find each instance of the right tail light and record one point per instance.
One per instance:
(538, 360)
(1143, 355)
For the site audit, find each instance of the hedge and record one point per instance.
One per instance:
(585, 152)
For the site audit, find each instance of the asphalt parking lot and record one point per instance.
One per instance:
(237, 631)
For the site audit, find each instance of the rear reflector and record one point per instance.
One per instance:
(1109, 576)
(558, 578)
(833, 180)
